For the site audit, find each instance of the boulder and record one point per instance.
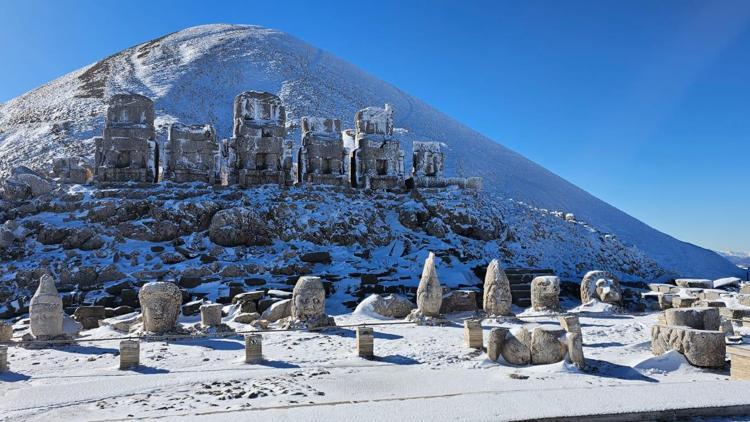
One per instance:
(278, 310)
(246, 318)
(193, 307)
(25, 183)
(317, 257)
(392, 305)
(89, 316)
(459, 301)
(239, 226)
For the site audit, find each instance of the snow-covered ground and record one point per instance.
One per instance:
(420, 373)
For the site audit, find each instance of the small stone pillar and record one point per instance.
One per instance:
(495, 342)
(473, 333)
(6, 332)
(211, 314)
(570, 323)
(365, 347)
(575, 349)
(130, 351)
(253, 348)
(3, 358)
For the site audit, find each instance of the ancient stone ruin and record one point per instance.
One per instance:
(428, 169)
(262, 155)
(160, 305)
(601, 286)
(74, 170)
(308, 305)
(126, 151)
(694, 332)
(497, 297)
(377, 161)
(322, 159)
(192, 153)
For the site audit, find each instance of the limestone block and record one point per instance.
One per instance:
(665, 300)
(575, 349)
(473, 333)
(429, 292)
(697, 318)
(683, 302)
(496, 342)
(6, 332)
(160, 303)
(46, 310)
(727, 328)
(545, 293)
(365, 340)
(121, 322)
(130, 351)
(740, 359)
(734, 313)
(701, 347)
(211, 314)
(695, 283)
(547, 345)
(253, 348)
(745, 288)
(497, 297)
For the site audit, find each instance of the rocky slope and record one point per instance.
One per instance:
(102, 244)
(194, 74)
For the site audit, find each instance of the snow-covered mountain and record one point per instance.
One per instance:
(194, 74)
(741, 259)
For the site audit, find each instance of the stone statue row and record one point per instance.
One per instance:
(258, 152)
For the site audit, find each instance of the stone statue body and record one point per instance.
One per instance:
(46, 310)
(429, 292)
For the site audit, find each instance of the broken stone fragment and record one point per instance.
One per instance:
(702, 348)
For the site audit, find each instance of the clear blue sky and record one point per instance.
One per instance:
(645, 104)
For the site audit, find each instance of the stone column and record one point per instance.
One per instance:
(253, 348)
(211, 314)
(6, 332)
(365, 347)
(3, 358)
(495, 342)
(570, 323)
(575, 349)
(130, 351)
(473, 334)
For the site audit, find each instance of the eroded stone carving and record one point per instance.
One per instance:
(700, 347)
(46, 310)
(497, 297)
(428, 171)
(192, 154)
(530, 344)
(160, 305)
(261, 154)
(321, 158)
(125, 152)
(601, 286)
(429, 292)
(377, 160)
(545, 293)
(308, 304)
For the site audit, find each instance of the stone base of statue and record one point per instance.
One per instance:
(418, 317)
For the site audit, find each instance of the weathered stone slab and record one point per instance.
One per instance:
(697, 318)
(253, 348)
(702, 348)
(365, 347)
(740, 360)
(130, 351)
(473, 334)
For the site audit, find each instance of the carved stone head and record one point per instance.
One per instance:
(545, 293)
(308, 298)
(601, 286)
(160, 305)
